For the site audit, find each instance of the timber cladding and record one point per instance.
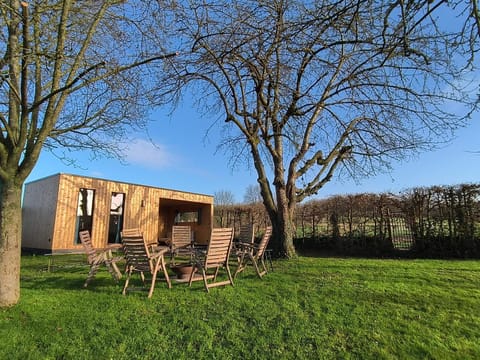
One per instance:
(52, 209)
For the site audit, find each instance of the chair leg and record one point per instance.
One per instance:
(194, 267)
(113, 270)
(165, 272)
(241, 266)
(205, 282)
(154, 278)
(229, 274)
(91, 274)
(129, 273)
(254, 261)
(216, 273)
(117, 271)
(262, 262)
(112, 267)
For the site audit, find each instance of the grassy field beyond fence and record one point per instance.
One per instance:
(308, 308)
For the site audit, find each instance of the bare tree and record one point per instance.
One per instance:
(224, 197)
(252, 195)
(310, 89)
(72, 74)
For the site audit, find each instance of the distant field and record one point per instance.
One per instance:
(308, 308)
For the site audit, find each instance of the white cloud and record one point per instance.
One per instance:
(146, 153)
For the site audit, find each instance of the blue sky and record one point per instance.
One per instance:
(185, 158)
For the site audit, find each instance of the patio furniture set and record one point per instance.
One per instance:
(188, 261)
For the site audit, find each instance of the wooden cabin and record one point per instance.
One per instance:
(57, 207)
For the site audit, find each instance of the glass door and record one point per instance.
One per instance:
(115, 225)
(86, 200)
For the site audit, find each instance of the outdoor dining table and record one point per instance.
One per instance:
(182, 270)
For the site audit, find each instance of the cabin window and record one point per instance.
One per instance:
(86, 201)
(187, 217)
(115, 225)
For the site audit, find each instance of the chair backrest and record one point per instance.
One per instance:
(86, 241)
(219, 247)
(181, 236)
(136, 252)
(264, 241)
(132, 232)
(246, 234)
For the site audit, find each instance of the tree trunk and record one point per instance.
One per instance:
(10, 242)
(283, 231)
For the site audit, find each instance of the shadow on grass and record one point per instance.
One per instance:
(67, 279)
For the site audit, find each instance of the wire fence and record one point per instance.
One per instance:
(429, 222)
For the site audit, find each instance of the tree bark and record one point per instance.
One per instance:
(283, 232)
(10, 242)
(283, 226)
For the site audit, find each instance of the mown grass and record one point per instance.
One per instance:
(308, 308)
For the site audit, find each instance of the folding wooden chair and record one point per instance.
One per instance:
(137, 232)
(246, 234)
(132, 232)
(139, 259)
(99, 257)
(216, 257)
(181, 242)
(254, 253)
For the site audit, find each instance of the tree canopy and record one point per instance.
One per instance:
(73, 75)
(306, 89)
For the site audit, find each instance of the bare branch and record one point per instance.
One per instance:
(316, 87)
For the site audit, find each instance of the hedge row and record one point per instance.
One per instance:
(439, 221)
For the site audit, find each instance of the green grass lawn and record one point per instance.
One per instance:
(308, 308)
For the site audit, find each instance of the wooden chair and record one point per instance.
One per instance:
(216, 257)
(181, 241)
(139, 259)
(99, 257)
(132, 232)
(137, 232)
(255, 254)
(246, 234)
